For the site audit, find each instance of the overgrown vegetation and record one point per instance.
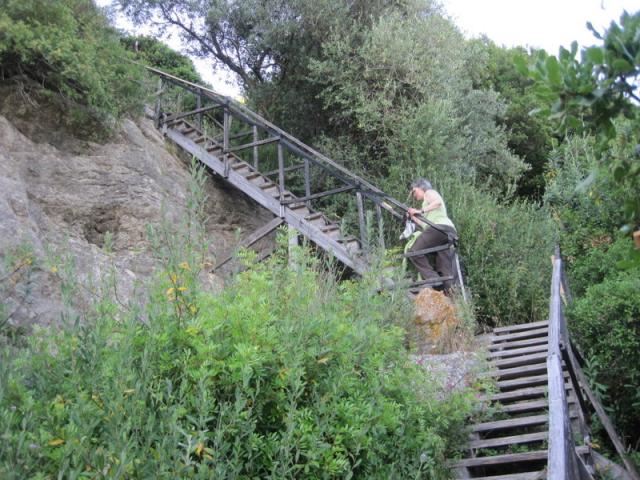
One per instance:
(70, 49)
(286, 374)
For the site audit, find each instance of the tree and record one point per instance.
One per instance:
(529, 136)
(268, 44)
(586, 96)
(70, 49)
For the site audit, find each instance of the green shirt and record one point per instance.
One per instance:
(437, 216)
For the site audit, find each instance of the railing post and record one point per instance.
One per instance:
(158, 107)
(255, 149)
(281, 177)
(307, 181)
(361, 220)
(225, 142)
(198, 107)
(380, 226)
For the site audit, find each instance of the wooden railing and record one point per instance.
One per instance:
(256, 132)
(563, 462)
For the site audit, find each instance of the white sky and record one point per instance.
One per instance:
(541, 23)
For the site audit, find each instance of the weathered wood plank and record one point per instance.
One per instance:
(518, 344)
(520, 327)
(536, 455)
(511, 423)
(510, 440)
(532, 381)
(535, 333)
(517, 372)
(521, 360)
(516, 352)
(522, 407)
(562, 461)
(249, 240)
(539, 475)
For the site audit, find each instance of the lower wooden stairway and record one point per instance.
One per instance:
(514, 446)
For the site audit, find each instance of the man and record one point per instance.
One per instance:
(441, 233)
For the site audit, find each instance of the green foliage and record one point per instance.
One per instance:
(69, 48)
(529, 136)
(602, 264)
(285, 374)
(401, 95)
(156, 54)
(606, 319)
(589, 96)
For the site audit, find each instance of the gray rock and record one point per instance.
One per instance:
(63, 194)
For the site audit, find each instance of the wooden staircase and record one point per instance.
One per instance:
(245, 177)
(541, 398)
(235, 154)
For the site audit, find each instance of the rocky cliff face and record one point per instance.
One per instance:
(62, 194)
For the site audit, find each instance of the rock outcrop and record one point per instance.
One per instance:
(62, 194)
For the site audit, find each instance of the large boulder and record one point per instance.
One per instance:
(435, 319)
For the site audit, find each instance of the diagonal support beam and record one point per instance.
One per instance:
(250, 240)
(197, 111)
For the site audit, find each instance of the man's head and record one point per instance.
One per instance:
(419, 187)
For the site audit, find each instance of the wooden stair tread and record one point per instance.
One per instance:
(515, 352)
(519, 327)
(518, 372)
(510, 440)
(536, 455)
(536, 332)
(539, 475)
(519, 343)
(511, 423)
(521, 360)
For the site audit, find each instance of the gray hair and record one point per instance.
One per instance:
(422, 183)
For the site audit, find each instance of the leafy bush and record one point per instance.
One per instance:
(69, 48)
(606, 320)
(285, 374)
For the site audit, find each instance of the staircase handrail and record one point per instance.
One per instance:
(563, 461)
(371, 191)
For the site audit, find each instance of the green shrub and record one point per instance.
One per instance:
(285, 374)
(69, 48)
(606, 322)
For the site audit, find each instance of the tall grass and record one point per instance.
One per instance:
(285, 374)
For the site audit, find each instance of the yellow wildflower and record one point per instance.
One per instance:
(56, 442)
(185, 266)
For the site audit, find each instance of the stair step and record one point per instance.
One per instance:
(352, 244)
(200, 139)
(532, 381)
(510, 440)
(520, 327)
(537, 455)
(521, 360)
(332, 230)
(214, 147)
(525, 393)
(510, 423)
(186, 131)
(300, 209)
(508, 337)
(519, 343)
(516, 352)
(518, 372)
(539, 475)
(316, 219)
(525, 407)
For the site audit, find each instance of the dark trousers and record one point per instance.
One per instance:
(444, 258)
